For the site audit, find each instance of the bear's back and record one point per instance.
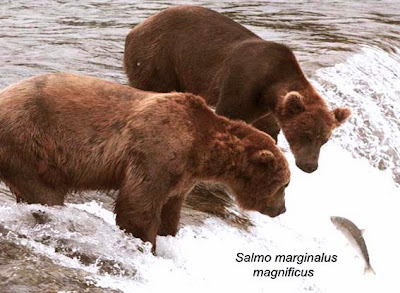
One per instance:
(181, 48)
(202, 23)
(71, 121)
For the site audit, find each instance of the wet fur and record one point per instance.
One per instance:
(64, 132)
(194, 49)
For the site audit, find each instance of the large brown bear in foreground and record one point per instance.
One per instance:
(194, 49)
(66, 132)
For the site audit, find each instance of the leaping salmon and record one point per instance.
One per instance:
(354, 236)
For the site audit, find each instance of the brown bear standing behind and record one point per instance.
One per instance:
(197, 50)
(66, 132)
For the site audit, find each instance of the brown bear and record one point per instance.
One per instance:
(66, 132)
(197, 50)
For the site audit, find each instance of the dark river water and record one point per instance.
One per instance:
(349, 49)
(88, 36)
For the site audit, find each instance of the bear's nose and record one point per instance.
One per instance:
(309, 168)
(273, 211)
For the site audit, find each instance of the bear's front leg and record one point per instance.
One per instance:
(138, 211)
(170, 215)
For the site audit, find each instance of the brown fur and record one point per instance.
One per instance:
(64, 132)
(213, 199)
(194, 49)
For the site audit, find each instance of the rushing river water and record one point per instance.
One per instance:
(351, 52)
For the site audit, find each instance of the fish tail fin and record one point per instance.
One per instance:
(369, 270)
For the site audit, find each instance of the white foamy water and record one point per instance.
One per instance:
(368, 83)
(202, 258)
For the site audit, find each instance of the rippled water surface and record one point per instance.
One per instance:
(349, 49)
(88, 36)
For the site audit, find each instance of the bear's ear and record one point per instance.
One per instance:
(264, 157)
(293, 103)
(341, 114)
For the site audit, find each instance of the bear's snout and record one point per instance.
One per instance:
(307, 158)
(307, 167)
(273, 211)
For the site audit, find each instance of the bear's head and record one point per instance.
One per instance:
(263, 175)
(308, 125)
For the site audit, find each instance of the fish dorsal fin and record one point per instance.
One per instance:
(362, 231)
